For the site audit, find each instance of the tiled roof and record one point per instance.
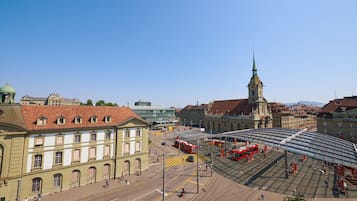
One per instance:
(191, 107)
(31, 113)
(339, 105)
(230, 107)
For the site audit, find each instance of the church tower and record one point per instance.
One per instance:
(259, 105)
(255, 87)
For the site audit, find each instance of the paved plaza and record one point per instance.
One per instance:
(268, 174)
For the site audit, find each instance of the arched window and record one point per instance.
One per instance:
(57, 181)
(92, 172)
(36, 185)
(126, 170)
(138, 166)
(76, 178)
(106, 171)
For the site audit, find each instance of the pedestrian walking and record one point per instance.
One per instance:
(106, 182)
(206, 166)
(326, 183)
(262, 197)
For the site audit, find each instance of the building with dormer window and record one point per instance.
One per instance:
(47, 149)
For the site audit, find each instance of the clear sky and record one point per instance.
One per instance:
(174, 53)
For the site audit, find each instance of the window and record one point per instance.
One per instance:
(76, 155)
(78, 120)
(93, 137)
(58, 158)
(36, 185)
(92, 151)
(127, 148)
(59, 139)
(107, 151)
(107, 119)
(107, 135)
(38, 141)
(37, 161)
(41, 121)
(77, 138)
(137, 146)
(93, 119)
(127, 133)
(57, 180)
(138, 132)
(61, 120)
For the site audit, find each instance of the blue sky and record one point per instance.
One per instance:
(174, 53)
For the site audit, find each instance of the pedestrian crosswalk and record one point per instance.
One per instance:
(177, 160)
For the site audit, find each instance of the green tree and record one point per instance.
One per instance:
(100, 103)
(89, 102)
(297, 197)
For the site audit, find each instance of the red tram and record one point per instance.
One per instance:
(244, 152)
(185, 146)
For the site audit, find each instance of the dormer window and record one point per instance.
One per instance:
(78, 120)
(93, 119)
(41, 121)
(61, 120)
(107, 119)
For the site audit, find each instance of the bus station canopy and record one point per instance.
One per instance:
(312, 144)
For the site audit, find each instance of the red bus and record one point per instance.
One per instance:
(185, 146)
(244, 152)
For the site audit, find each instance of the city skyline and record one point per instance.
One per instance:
(178, 53)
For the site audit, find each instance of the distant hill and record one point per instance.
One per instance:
(312, 103)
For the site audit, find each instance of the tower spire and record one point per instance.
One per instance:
(254, 67)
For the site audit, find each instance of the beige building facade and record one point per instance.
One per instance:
(339, 118)
(46, 149)
(229, 115)
(52, 99)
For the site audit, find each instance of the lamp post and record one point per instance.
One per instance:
(163, 171)
(198, 183)
(211, 154)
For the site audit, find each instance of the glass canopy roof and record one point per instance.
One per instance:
(312, 144)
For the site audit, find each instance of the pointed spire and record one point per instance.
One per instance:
(254, 67)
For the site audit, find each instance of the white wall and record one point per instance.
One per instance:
(47, 160)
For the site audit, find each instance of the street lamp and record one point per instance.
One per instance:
(211, 154)
(163, 171)
(198, 184)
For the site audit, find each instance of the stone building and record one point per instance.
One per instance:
(228, 115)
(46, 149)
(339, 118)
(52, 99)
(193, 115)
(294, 117)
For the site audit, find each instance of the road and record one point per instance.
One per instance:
(178, 174)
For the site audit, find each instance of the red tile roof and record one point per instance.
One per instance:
(339, 105)
(230, 107)
(118, 116)
(192, 107)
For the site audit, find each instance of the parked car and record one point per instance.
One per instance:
(190, 158)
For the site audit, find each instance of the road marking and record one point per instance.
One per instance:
(195, 182)
(114, 199)
(158, 190)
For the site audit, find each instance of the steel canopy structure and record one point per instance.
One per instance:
(312, 144)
